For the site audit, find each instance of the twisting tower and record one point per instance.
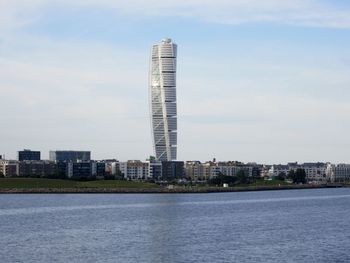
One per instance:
(163, 99)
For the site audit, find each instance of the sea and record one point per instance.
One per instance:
(268, 226)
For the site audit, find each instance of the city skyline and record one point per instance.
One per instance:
(258, 81)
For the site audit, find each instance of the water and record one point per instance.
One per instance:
(272, 226)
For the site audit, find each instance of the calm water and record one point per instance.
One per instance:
(273, 226)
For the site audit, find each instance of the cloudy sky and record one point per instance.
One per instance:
(264, 81)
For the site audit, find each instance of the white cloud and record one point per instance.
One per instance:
(15, 14)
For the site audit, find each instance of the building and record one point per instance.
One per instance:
(134, 170)
(81, 169)
(98, 169)
(337, 173)
(277, 169)
(193, 170)
(112, 166)
(36, 169)
(315, 172)
(163, 99)
(28, 155)
(155, 170)
(264, 172)
(70, 156)
(172, 170)
(8, 168)
(197, 171)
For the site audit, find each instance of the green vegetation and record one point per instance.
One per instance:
(281, 176)
(57, 183)
(299, 176)
(275, 182)
(240, 179)
(116, 184)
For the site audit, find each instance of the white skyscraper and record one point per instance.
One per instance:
(163, 99)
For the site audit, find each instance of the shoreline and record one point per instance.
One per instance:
(176, 190)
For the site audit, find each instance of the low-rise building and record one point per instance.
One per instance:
(204, 171)
(134, 170)
(231, 168)
(155, 170)
(337, 173)
(112, 166)
(194, 170)
(315, 172)
(172, 170)
(36, 169)
(81, 169)
(276, 170)
(264, 172)
(8, 168)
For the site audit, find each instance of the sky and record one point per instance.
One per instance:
(257, 81)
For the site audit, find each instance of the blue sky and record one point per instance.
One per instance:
(265, 81)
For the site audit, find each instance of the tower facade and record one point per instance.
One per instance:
(163, 99)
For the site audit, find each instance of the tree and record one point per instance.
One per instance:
(281, 176)
(291, 175)
(242, 178)
(221, 179)
(299, 176)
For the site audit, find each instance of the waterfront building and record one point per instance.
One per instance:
(155, 169)
(231, 168)
(28, 155)
(81, 169)
(207, 169)
(135, 170)
(173, 170)
(112, 166)
(30, 168)
(264, 172)
(72, 156)
(337, 173)
(193, 170)
(8, 168)
(151, 169)
(197, 171)
(277, 169)
(315, 172)
(163, 99)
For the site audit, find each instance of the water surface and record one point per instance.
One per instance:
(272, 226)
